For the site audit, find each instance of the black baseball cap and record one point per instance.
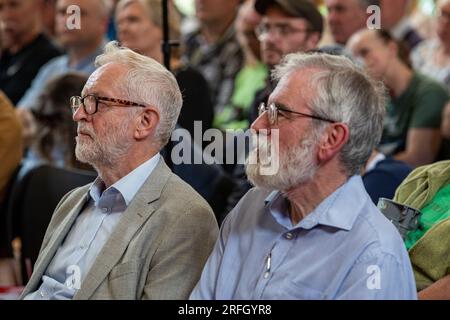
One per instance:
(298, 8)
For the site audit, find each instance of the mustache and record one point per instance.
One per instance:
(85, 130)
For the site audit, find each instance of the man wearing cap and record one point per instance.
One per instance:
(287, 26)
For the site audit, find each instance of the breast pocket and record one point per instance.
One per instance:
(299, 291)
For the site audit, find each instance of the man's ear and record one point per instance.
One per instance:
(146, 123)
(334, 139)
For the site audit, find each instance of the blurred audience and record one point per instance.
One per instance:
(253, 75)
(140, 28)
(412, 124)
(213, 48)
(432, 57)
(395, 18)
(25, 47)
(82, 46)
(345, 17)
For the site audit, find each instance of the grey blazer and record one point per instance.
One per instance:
(157, 250)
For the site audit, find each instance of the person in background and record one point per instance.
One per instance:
(432, 57)
(412, 123)
(253, 75)
(346, 17)
(287, 26)
(309, 230)
(140, 28)
(395, 18)
(213, 48)
(138, 231)
(25, 47)
(82, 46)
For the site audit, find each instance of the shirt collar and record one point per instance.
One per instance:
(128, 185)
(339, 210)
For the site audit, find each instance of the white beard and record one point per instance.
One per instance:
(297, 165)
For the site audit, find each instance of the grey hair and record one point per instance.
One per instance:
(147, 82)
(344, 92)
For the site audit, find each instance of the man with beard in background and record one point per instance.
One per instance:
(310, 230)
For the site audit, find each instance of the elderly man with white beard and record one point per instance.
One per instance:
(138, 231)
(310, 230)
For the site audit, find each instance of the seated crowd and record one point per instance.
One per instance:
(334, 114)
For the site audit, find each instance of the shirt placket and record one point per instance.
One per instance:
(273, 259)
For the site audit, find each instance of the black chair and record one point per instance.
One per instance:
(31, 204)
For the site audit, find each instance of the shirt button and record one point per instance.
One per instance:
(104, 210)
(289, 236)
(41, 294)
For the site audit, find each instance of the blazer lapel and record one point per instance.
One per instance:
(47, 254)
(139, 211)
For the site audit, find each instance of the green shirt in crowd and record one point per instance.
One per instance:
(435, 211)
(419, 106)
(250, 80)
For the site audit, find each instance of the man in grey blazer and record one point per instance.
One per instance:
(138, 231)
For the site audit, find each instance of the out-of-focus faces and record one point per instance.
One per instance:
(372, 51)
(17, 19)
(443, 21)
(92, 27)
(136, 31)
(345, 17)
(281, 34)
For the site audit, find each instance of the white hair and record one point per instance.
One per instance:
(342, 92)
(147, 82)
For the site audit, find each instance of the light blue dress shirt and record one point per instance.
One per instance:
(89, 234)
(56, 67)
(344, 249)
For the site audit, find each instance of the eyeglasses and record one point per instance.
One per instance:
(90, 103)
(273, 110)
(280, 29)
